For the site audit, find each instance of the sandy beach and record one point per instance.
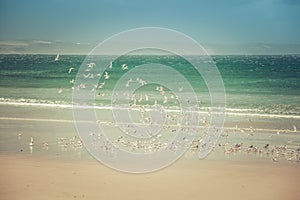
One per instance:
(39, 178)
(62, 171)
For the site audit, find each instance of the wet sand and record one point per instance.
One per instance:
(38, 178)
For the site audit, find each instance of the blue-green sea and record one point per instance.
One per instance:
(263, 84)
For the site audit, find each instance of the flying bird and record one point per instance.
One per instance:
(124, 67)
(165, 99)
(101, 85)
(57, 57)
(110, 65)
(106, 76)
(91, 65)
(70, 70)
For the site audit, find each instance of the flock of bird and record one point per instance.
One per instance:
(161, 141)
(171, 126)
(286, 151)
(63, 142)
(135, 99)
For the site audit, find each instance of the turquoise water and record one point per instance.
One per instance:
(263, 101)
(257, 84)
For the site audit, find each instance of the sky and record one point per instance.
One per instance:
(215, 22)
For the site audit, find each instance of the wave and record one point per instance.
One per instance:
(108, 122)
(250, 112)
(34, 102)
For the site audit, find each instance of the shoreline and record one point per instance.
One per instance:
(237, 112)
(49, 125)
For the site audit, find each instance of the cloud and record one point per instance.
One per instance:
(13, 43)
(41, 42)
(44, 47)
(266, 46)
(54, 47)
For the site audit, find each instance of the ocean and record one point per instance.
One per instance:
(261, 84)
(262, 101)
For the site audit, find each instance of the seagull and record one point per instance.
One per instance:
(110, 65)
(165, 99)
(91, 65)
(31, 142)
(128, 82)
(72, 81)
(57, 57)
(295, 128)
(142, 82)
(124, 67)
(59, 91)
(20, 135)
(140, 99)
(86, 76)
(159, 88)
(106, 76)
(101, 85)
(70, 70)
(45, 145)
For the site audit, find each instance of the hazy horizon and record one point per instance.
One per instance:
(84, 48)
(222, 27)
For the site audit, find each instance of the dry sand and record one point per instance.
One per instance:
(38, 178)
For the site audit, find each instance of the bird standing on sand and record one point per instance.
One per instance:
(20, 135)
(45, 145)
(295, 128)
(31, 142)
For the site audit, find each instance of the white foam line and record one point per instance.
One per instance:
(37, 104)
(261, 129)
(106, 122)
(40, 120)
(167, 110)
(265, 115)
